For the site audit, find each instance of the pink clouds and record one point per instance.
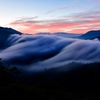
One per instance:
(77, 23)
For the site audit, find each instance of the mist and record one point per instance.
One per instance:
(37, 52)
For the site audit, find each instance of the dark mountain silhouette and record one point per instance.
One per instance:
(5, 34)
(8, 31)
(91, 34)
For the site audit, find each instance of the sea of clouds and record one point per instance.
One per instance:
(39, 52)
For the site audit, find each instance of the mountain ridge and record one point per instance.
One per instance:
(91, 34)
(7, 30)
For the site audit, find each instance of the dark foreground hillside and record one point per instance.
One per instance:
(79, 84)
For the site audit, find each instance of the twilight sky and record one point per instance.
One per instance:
(32, 16)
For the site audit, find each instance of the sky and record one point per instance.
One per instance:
(33, 16)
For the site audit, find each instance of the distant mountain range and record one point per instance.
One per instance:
(89, 35)
(61, 34)
(5, 32)
(64, 34)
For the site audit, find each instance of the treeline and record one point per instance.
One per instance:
(80, 84)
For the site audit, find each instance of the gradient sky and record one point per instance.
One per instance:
(32, 16)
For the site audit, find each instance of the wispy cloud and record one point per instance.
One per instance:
(57, 9)
(26, 18)
(76, 23)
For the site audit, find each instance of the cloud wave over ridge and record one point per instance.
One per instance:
(37, 52)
